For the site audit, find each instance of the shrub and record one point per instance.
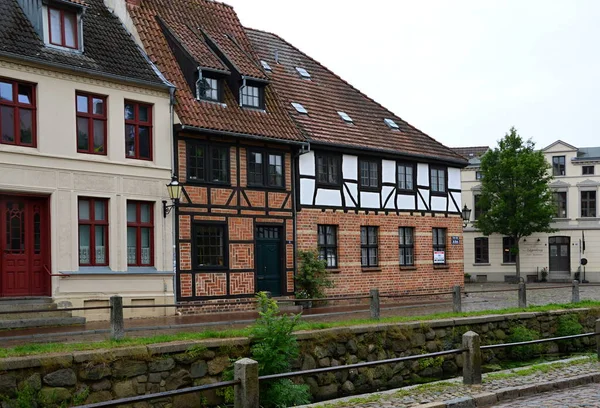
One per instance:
(519, 334)
(312, 276)
(568, 325)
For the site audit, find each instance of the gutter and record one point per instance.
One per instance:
(241, 135)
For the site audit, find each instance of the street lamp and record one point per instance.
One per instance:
(174, 189)
(466, 215)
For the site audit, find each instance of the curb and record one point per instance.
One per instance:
(488, 399)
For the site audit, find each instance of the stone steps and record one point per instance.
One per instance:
(43, 313)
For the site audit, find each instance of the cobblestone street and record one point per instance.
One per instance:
(583, 396)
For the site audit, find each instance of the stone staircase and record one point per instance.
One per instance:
(16, 320)
(555, 277)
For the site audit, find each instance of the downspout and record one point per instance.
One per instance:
(175, 223)
(296, 177)
(241, 90)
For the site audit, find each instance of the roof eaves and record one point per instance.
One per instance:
(242, 135)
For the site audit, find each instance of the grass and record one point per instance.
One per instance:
(34, 348)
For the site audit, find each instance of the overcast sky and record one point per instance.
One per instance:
(463, 71)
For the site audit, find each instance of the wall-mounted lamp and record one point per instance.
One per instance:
(174, 189)
(466, 215)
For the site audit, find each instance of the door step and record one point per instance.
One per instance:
(560, 278)
(41, 322)
(19, 313)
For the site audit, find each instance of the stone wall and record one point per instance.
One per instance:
(93, 376)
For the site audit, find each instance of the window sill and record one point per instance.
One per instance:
(206, 183)
(267, 188)
(559, 219)
(587, 219)
(408, 268)
(508, 264)
(439, 193)
(441, 266)
(482, 264)
(371, 269)
(333, 270)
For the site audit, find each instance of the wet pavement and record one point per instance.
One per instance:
(583, 396)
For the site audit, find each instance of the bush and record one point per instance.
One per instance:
(568, 325)
(519, 334)
(312, 276)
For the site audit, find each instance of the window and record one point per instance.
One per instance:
(588, 203)
(438, 180)
(138, 131)
(299, 108)
(265, 65)
(587, 170)
(560, 200)
(558, 165)
(327, 244)
(62, 25)
(93, 231)
(209, 246)
(508, 248)
(252, 96)
(369, 174)
(391, 124)
(478, 175)
(91, 124)
(345, 117)
(209, 89)
(303, 72)
(407, 246)
(207, 163)
(265, 169)
(140, 233)
(439, 245)
(477, 207)
(17, 113)
(405, 177)
(369, 246)
(328, 169)
(482, 250)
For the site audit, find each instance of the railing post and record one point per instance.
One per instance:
(117, 327)
(575, 295)
(522, 295)
(456, 299)
(375, 304)
(598, 337)
(246, 392)
(471, 358)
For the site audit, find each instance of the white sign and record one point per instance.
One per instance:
(439, 257)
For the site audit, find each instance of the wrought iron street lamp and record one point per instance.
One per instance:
(466, 215)
(174, 189)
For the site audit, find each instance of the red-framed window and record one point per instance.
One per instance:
(138, 130)
(17, 113)
(140, 233)
(62, 27)
(91, 123)
(93, 231)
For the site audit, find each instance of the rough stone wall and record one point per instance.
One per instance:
(93, 376)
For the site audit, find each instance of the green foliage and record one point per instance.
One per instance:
(26, 398)
(522, 333)
(515, 199)
(430, 362)
(568, 325)
(312, 276)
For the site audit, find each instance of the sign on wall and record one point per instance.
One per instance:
(439, 257)
(455, 240)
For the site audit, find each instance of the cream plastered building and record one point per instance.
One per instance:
(576, 178)
(85, 156)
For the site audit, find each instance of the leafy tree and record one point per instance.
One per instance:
(312, 276)
(515, 200)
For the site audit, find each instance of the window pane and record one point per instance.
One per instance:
(363, 235)
(26, 119)
(364, 258)
(145, 247)
(131, 212)
(196, 164)
(130, 140)
(99, 210)
(98, 106)
(131, 245)
(144, 113)
(372, 236)
(6, 91)
(219, 164)
(82, 104)
(144, 141)
(145, 213)
(84, 244)
(70, 29)
(82, 134)
(255, 175)
(100, 250)
(129, 111)
(99, 136)
(55, 35)
(7, 121)
(275, 170)
(84, 210)
(25, 94)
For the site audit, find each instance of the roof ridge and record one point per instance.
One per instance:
(357, 90)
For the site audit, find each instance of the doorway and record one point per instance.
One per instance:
(560, 255)
(268, 259)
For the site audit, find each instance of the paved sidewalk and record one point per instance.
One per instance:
(578, 397)
(496, 387)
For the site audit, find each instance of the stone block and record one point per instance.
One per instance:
(485, 399)
(61, 378)
(96, 372)
(163, 364)
(49, 396)
(99, 396)
(129, 368)
(34, 382)
(177, 380)
(103, 385)
(218, 365)
(124, 389)
(199, 369)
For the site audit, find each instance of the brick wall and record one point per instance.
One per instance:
(388, 277)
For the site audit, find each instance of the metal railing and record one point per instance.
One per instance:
(246, 379)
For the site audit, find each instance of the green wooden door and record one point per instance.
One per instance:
(268, 259)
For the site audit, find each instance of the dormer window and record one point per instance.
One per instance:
(62, 28)
(252, 96)
(209, 89)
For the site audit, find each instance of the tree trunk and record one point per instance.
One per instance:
(518, 258)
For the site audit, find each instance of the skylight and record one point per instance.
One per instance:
(303, 73)
(345, 117)
(391, 124)
(265, 65)
(299, 108)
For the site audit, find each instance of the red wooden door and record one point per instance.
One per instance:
(24, 245)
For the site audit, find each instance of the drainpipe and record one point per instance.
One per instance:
(241, 90)
(172, 146)
(300, 152)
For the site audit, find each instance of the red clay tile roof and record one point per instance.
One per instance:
(325, 94)
(74, 2)
(221, 24)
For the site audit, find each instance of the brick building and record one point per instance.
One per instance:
(267, 138)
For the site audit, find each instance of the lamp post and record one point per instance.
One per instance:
(466, 215)
(174, 189)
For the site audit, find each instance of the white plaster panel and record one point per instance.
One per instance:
(90, 182)
(388, 171)
(454, 178)
(420, 204)
(353, 188)
(423, 174)
(307, 164)
(142, 187)
(350, 167)
(369, 200)
(458, 198)
(406, 202)
(385, 192)
(438, 203)
(328, 197)
(65, 180)
(307, 189)
(18, 177)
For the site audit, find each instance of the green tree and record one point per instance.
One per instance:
(312, 276)
(515, 200)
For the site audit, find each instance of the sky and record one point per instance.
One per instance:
(462, 71)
